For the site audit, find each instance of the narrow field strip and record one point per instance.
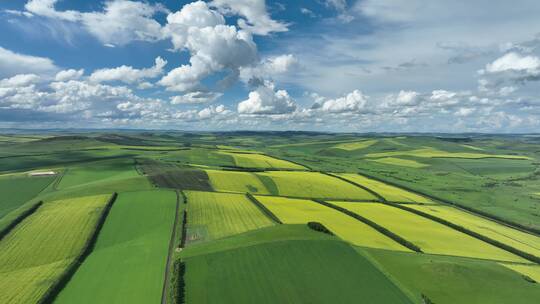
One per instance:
(518, 239)
(10, 221)
(288, 272)
(315, 185)
(388, 192)
(215, 215)
(430, 236)
(531, 271)
(299, 211)
(40, 249)
(255, 160)
(129, 259)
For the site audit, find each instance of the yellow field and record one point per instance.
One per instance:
(520, 240)
(36, 253)
(251, 160)
(400, 162)
(532, 271)
(315, 185)
(390, 193)
(233, 181)
(431, 152)
(215, 215)
(299, 211)
(355, 145)
(430, 236)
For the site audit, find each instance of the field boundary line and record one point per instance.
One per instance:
(21, 217)
(263, 208)
(461, 207)
(54, 290)
(59, 178)
(377, 195)
(166, 280)
(398, 239)
(469, 232)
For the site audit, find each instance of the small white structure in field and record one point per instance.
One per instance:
(42, 173)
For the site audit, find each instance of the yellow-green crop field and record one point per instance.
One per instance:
(252, 160)
(390, 193)
(532, 271)
(432, 152)
(300, 211)
(400, 162)
(37, 252)
(216, 215)
(430, 236)
(234, 181)
(315, 185)
(520, 240)
(357, 145)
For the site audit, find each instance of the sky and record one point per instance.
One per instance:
(314, 65)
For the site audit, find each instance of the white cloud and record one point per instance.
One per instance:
(266, 100)
(128, 74)
(195, 98)
(269, 67)
(70, 74)
(212, 112)
(353, 102)
(308, 12)
(12, 63)
(515, 62)
(20, 80)
(257, 20)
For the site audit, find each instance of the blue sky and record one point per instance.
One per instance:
(328, 65)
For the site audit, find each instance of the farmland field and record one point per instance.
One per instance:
(216, 215)
(129, 258)
(37, 252)
(271, 217)
(430, 236)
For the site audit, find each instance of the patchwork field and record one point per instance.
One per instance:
(129, 258)
(315, 185)
(435, 153)
(216, 215)
(530, 271)
(12, 197)
(253, 160)
(233, 181)
(400, 162)
(390, 193)
(430, 236)
(298, 211)
(38, 251)
(355, 145)
(288, 272)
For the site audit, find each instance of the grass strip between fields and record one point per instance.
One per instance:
(263, 208)
(460, 206)
(469, 232)
(373, 225)
(24, 214)
(172, 246)
(53, 291)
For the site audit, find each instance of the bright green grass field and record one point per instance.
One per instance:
(251, 160)
(518, 239)
(532, 271)
(451, 280)
(234, 181)
(390, 193)
(129, 259)
(315, 185)
(40, 248)
(351, 146)
(215, 215)
(433, 152)
(299, 211)
(400, 162)
(430, 236)
(288, 272)
(18, 189)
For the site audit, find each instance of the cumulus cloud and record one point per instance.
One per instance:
(266, 100)
(255, 19)
(120, 22)
(268, 68)
(515, 62)
(20, 80)
(353, 102)
(128, 74)
(195, 98)
(12, 63)
(70, 74)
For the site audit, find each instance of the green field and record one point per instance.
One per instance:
(400, 162)
(253, 160)
(128, 261)
(315, 185)
(390, 193)
(37, 252)
(232, 181)
(298, 211)
(217, 215)
(430, 236)
(18, 189)
(435, 153)
(288, 272)
(531, 271)
(355, 145)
